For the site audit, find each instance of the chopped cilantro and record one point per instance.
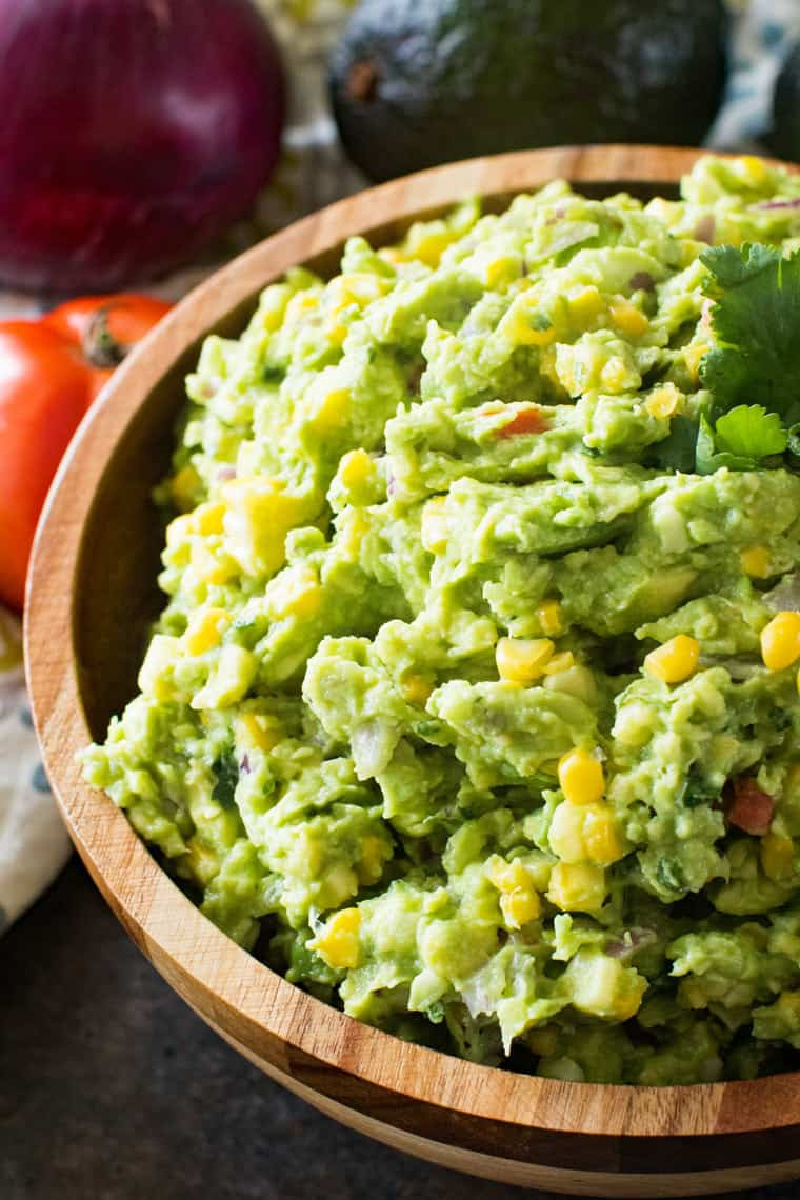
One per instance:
(226, 774)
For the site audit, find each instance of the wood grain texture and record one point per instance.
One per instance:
(91, 592)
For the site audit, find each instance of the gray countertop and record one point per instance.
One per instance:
(111, 1089)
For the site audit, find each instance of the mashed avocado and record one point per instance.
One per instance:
(474, 700)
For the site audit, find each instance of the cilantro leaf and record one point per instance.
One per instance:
(226, 775)
(756, 321)
(677, 450)
(749, 430)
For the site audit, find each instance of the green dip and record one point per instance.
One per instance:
(461, 703)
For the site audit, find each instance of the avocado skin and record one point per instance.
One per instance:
(785, 138)
(414, 83)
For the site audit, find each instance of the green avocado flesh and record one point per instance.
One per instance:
(458, 712)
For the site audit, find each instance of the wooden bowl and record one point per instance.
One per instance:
(92, 589)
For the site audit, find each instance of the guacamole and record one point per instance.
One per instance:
(473, 707)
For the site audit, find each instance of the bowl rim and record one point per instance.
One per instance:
(231, 988)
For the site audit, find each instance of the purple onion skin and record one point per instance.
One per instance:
(133, 132)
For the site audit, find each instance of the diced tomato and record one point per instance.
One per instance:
(527, 420)
(749, 808)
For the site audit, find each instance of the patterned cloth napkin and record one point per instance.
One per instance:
(313, 172)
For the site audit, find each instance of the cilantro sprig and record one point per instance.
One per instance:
(752, 373)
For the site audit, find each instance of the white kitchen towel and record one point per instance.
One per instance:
(313, 172)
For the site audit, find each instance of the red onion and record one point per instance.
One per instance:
(133, 132)
(769, 205)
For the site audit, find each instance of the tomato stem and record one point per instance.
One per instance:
(100, 347)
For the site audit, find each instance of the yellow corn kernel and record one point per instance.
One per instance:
(260, 731)
(336, 332)
(559, 663)
(543, 1041)
(259, 515)
(693, 355)
(628, 318)
(208, 519)
(205, 630)
(613, 375)
(392, 255)
(211, 567)
(417, 689)
(522, 660)
(519, 900)
(339, 944)
(755, 562)
(180, 530)
(500, 270)
(751, 169)
(780, 641)
(184, 486)
(296, 592)
(434, 529)
(587, 304)
(549, 616)
(374, 853)
(526, 328)
(332, 411)
(428, 247)
(675, 661)
(356, 468)
(664, 402)
(581, 777)
(777, 856)
(577, 887)
(585, 833)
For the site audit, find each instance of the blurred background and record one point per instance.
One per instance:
(143, 143)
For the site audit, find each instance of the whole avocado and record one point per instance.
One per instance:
(419, 82)
(785, 139)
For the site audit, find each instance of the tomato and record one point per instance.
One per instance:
(750, 808)
(50, 372)
(527, 420)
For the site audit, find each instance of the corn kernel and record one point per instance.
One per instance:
(522, 660)
(663, 402)
(260, 731)
(587, 304)
(577, 887)
(300, 306)
(296, 592)
(613, 375)
(780, 641)
(585, 833)
(259, 515)
(549, 616)
(208, 519)
(777, 856)
(675, 661)
(581, 777)
(332, 411)
(391, 255)
(434, 529)
(417, 689)
(500, 270)
(356, 468)
(559, 663)
(751, 169)
(210, 566)
(755, 562)
(519, 900)
(184, 486)
(693, 355)
(428, 247)
(628, 318)
(205, 630)
(339, 944)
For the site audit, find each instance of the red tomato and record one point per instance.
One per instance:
(527, 420)
(50, 371)
(749, 808)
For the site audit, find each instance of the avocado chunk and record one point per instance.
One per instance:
(416, 84)
(785, 139)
